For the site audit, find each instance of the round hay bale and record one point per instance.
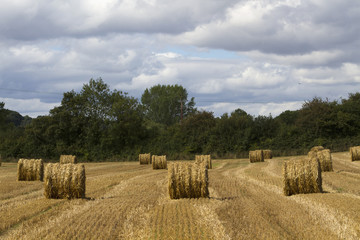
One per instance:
(314, 150)
(302, 176)
(64, 159)
(188, 180)
(355, 153)
(30, 169)
(159, 162)
(145, 158)
(317, 148)
(252, 156)
(325, 160)
(64, 180)
(204, 159)
(267, 154)
(256, 156)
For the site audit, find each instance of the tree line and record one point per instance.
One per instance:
(99, 124)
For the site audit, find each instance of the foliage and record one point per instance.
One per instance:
(99, 124)
(167, 104)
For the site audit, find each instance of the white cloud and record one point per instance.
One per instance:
(347, 73)
(276, 51)
(279, 27)
(313, 58)
(31, 107)
(254, 109)
(166, 76)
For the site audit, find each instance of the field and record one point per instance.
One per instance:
(131, 201)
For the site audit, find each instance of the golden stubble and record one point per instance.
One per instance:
(131, 201)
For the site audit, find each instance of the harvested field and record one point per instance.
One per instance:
(131, 201)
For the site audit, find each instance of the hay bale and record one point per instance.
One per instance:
(256, 156)
(317, 148)
(159, 162)
(302, 176)
(324, 157)
(188, 180)
(325, 160)
(314, 150)
(355, 153)
(64, 180)
(267, 154)
(152, 158)
(204, 159)
(64, 159)
(145, 158)
(0, 160)
(30, 169)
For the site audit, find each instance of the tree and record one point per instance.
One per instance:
(232, 133)
(97, 122)
(2, 116)
(196, 130)
(167, 104)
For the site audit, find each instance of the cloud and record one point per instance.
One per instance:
(31, 107)
(223, 52)
(40, 19)
(254, 109)
(347, 73)
(281, 27)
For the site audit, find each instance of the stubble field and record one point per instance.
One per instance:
(131, 201)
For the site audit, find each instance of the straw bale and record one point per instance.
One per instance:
(314, 150)
(317, 148)
(355, 153)
(302, 176)
(188, 180)
(30, 169)
(325, 160)
(0, 160)
(64, 180)
(159, 162)
(145, 158)
(256, 156)
(267, 154)
(204, 159)
(64, 159)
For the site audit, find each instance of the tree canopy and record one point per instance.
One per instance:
(98, 124)
(167, 104)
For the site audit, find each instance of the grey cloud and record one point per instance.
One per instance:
(289, 51)
(51, 19)
(281, 29)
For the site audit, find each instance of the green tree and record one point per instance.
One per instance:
(166, 104)
(97, 123)
(196, 130)
(2, 116)
(232, 134)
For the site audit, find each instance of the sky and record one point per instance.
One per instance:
(263, 56)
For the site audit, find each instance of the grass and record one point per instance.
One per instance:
(130, 201)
